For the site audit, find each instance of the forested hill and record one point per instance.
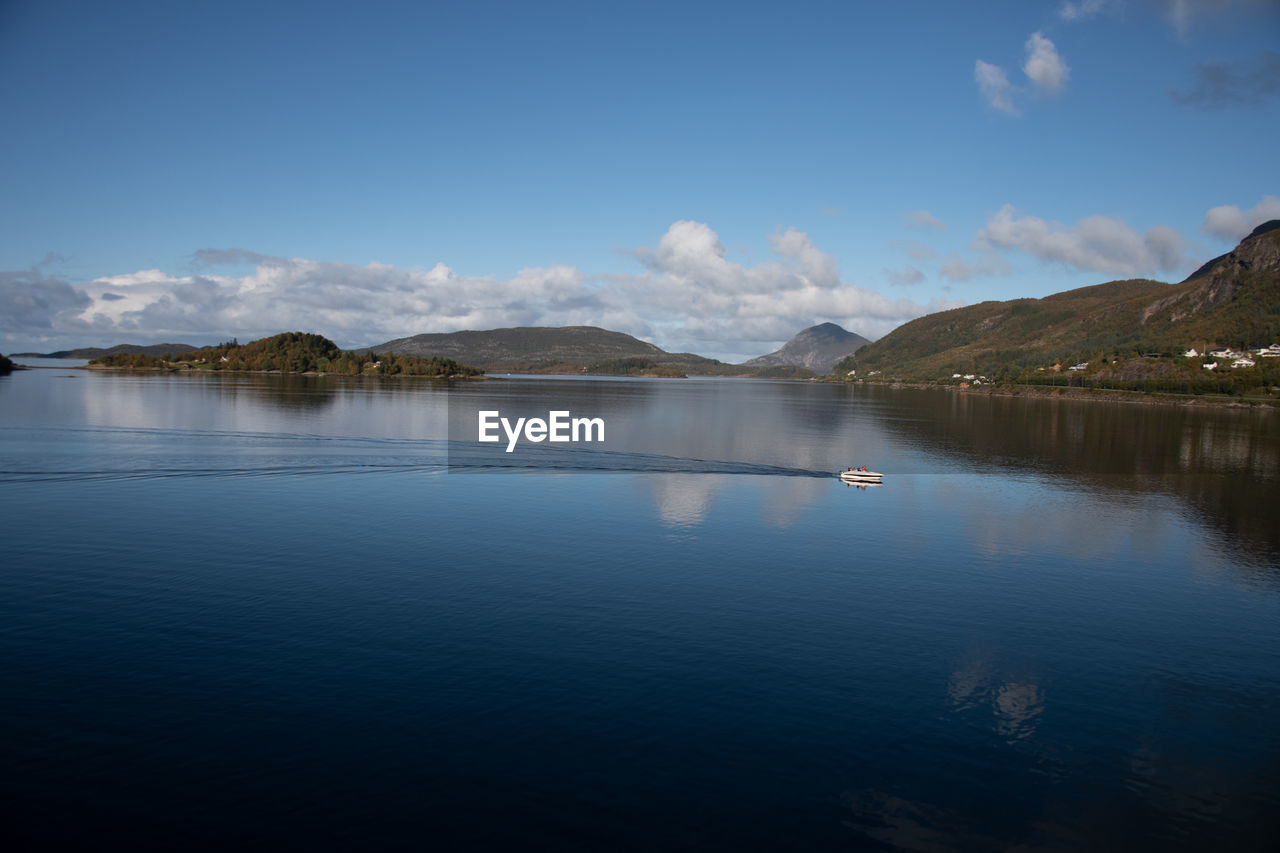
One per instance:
(542, 349)
(1232, 303)
(291, 352)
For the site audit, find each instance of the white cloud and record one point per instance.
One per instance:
(1230, 223)
(1085, 9)
(689, 297)
(30, 300)
(696, 298)
(1165, 245)
(1047, 70)
(925, 219)
(995, 87)
(357, 305)
(817, 266)
(1097, 243)
(1044, 67)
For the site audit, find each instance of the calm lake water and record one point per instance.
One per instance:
(291, 612)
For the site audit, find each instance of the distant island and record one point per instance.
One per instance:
(98, 352)
(289, 352)
(1216, 332)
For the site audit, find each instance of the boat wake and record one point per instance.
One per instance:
(465, 458)
(80, 454)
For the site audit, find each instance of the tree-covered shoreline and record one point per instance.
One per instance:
(291, 352)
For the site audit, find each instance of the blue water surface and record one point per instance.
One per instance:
(296, 612)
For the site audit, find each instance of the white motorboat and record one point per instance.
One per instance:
(859, 475)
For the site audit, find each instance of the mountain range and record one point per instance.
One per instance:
(588, 349)
(1231, 301)
(573, 349)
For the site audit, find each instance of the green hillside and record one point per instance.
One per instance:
(1234, 303)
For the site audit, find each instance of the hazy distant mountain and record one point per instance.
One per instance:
(548, 349)
(98, 352)
(817, 348)
(1232, 301)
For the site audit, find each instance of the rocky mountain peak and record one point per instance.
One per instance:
(1256, 253)
(817, 348)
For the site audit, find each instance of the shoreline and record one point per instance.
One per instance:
(452, 377)
(1098, 395)
(1104, 395)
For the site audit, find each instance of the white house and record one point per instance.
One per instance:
(1243, 362)
(1191, 353)
(1210, 365)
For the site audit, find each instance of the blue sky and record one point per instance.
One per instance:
(710, 176)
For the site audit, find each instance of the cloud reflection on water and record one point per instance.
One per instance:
(1015, 704)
